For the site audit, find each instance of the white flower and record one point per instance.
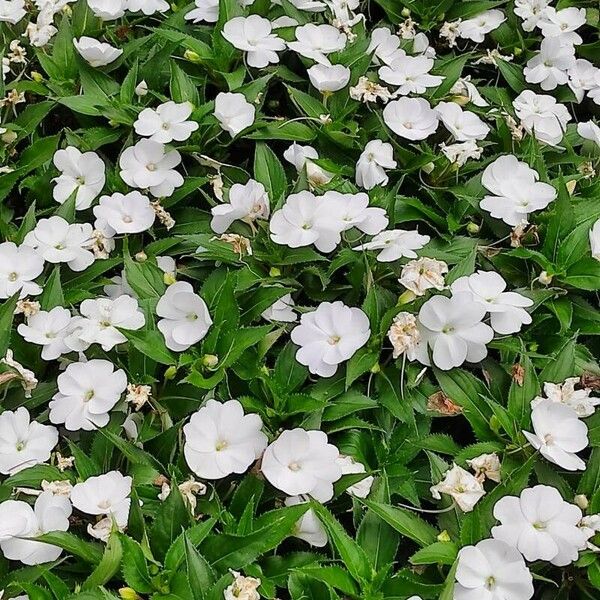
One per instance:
(477, 27)
(48, 329)
(385, 46)
(404, 334)
(242, 588)
(185, 318)
(50, 513)
(540, 525)
(87, 391)
(542, 116)
(57, 241)
(106, 494)
(95, 53)
(395, 244)
(328, 336)
(562, 24)
(233, 112)
(558, 434)
(345, 211)
(19, 266)
(550, 65)
(583, 77)
(465, 90)
(81, 172)
(12, 11)
(108, 10)
(410, 74)
(206, 10)
(141, 89)
(220, 440)
(308, 528)
(329, 78)
(464, 125)
(589, 131)
(300, 157)
(420, 45)
(102, 317)
(372, 163)
(507, 309)
(124, 213)
(247, 202)
(486, 466)
(254, 35)
(411, 118)
(166, 123)
(282, 310)
(465, 489)
(423, 274)
(369, 91)
(302, 462)
(149, 165)
(516, 190)
(460, 153)
(492, 570)
(449, 31)
(565, 393)
(595, 240)
(531, 11)
(349, 466)
(454, 330)
(148, 7)
(316, 41)
(26, 378)
(24, 443)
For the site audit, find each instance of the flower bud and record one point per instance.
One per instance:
(37, 76)
(274, 272)
(170, 373)
(545, 278)
(443, 537)
(405, 12)
(518, 51)
(428, 168)
(570, 185)
(169, 278)
(141, 256)
(8, 137)
(210, 361)
(141, 89)
(406, 297)
(128, 593)
(581, 501)
(192, 56)
(376, 368)
(473, 228)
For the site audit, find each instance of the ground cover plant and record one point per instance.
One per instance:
(299, 300)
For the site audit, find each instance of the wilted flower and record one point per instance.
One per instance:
(486, 466)
(465, 489)
(242, 588)
(565, 393)
(404, 334)
(369, 91)
(423, 274)
(138, 394)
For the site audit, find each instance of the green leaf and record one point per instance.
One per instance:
(134, 566)
(194, 535)
(52, 296)
(151, 343)
(7, 313)
(88, 551)
(443, 553)
(561, 366)
(269, 172)
(109, 565)
(199, 573)
(521, 395)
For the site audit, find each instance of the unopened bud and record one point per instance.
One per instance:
(274, 272)
(37, 76)
(581, 501)
(170, 373)
(545, 278)
(473, 228)
(406, 297)
(141, 256)
(192, 56)
(376, 368)
(210, 361)
(169, 278)
(428, 168)
(8, 137)
(405, 12)
(518, 51)
(141, 89)
(570, 185)
(460, 100)
(443, 537)
(128, 593)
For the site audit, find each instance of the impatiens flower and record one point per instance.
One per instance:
(465, 489)
(562, 24)
(349, 466)
(345, 211)
(549, 66)
(302, 462)
(369, 91)
(329, 78)
(300, 157)
(542, 116)
(87, 391)
(220, 440)
(308, 528)
(476, 28)
(404, 334)
(80, 172)
(595, 240)
(148, 165)
(492, 570)
(558, 434)
(372, 164)
(247, 202)
(516, 190)
(589, 131)
(185, 318)
(242, 588)
(411, 118)
(24, 443)
(49, 330)
(106, 494)
(95, 53)
(148, 7)
(385, 46)
(234, 112)
(108, 10)
(583, 77)
(423, 274)
(410, 74)
(166, 123)
(316, 41)
(254, 36)
(454, 330)
(507, 309)
(50, 513)
(124, 213)
(282, 310)
(103, 317)
(531, 11)
(565, 393)
(464, 125)
(486, 466)
(328, 336)
(460, 153)
(19, 266)
(12, 11)
(540, 525)
(26, 377)
(206, 10)
(395, 244)
(58, 241)
(465, 92)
